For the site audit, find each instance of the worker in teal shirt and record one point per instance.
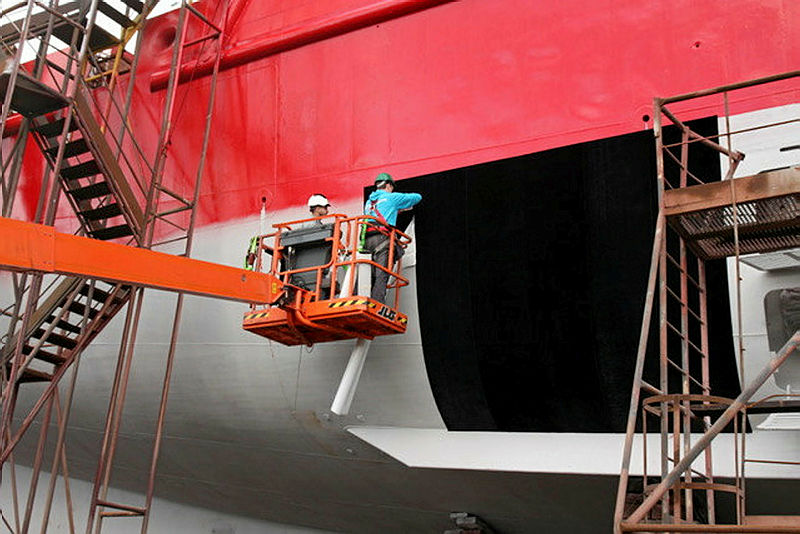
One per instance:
(384, 204)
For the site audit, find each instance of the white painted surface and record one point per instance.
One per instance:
(595, 454)
(762, 149)
(248, 428)
(781, 421)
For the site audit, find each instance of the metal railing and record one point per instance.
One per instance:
(345, 255)
(677, 290)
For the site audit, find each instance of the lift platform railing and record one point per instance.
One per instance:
(317, 261)
(282, 252)
(345, 255)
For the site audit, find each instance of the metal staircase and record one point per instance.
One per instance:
(90, 175)
(70, 316)
(72, 15)
(50, 328)
(115, 192)
(83, 165)
(701, 220)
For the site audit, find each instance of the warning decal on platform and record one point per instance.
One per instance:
(340, 303)
(260, 315)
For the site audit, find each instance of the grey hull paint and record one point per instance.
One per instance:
(249, 429)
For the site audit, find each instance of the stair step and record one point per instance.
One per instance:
(32, 375)
(82, 170)
(97, 294)
(10, 33)
(31, 97)
(54, 129)
(43, 355)
(114, 15)
(55, 339)
(102, 213)
(73, 148)
(80, 309)
(99, 40)
(64, 325)
(112, 232)
(99, 189)
(135, 5)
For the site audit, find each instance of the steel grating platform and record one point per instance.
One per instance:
(767, 209)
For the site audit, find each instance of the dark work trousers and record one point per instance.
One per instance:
(378, 245)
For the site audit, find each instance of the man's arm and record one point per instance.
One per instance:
(406, 200)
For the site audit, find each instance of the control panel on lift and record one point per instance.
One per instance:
(321, 266)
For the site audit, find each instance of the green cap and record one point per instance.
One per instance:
(384, 177)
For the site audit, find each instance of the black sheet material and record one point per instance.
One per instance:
(531, 276)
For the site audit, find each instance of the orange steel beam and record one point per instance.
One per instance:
(27, 246)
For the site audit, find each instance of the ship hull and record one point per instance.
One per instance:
(249, 428)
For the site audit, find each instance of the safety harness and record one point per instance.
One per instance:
(382, 228)
(250, 255)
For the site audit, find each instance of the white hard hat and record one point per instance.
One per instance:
(317, 200)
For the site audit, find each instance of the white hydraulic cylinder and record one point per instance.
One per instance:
(348, 275)
(352, 373)
(364, 275)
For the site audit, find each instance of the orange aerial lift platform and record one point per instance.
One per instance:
(319, 263)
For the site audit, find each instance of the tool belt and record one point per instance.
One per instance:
(382, 245)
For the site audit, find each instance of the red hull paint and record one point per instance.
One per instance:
(453, 85)
(301, 34)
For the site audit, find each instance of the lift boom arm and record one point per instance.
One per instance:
(27, 246)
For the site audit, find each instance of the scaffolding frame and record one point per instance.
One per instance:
(698, 221)
(157, 192)
(76, 111)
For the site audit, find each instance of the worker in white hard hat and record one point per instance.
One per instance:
(318, 206)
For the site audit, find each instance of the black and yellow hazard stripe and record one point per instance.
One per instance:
(258, 315)
(352, 302)
(403, 320)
